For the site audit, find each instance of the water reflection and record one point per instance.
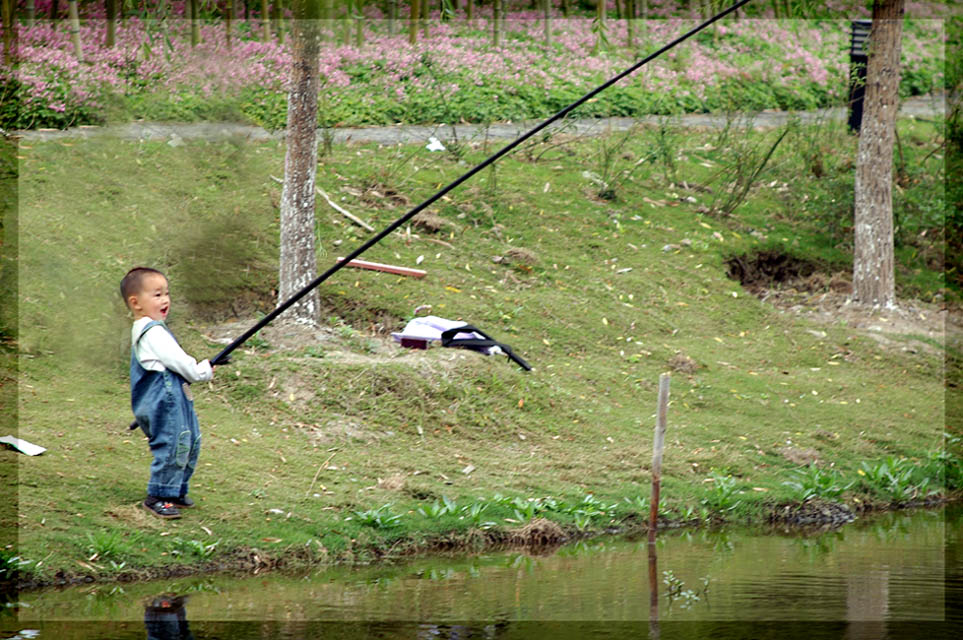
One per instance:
(866, 580)
(165, 618)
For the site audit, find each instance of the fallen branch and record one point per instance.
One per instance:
(350, 216)
(387, 268)
(437, 241)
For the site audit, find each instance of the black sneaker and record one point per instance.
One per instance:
(161, 507)
(183, 502)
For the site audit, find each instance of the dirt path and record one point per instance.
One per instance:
(177, 133)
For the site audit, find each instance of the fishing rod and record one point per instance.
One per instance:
(281, 308)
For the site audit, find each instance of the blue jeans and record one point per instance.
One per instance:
(164, 409)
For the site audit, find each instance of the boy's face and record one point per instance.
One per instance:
(154, 299)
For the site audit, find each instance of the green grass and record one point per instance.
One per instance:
(600, 311)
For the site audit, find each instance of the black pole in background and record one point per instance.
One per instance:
(858, 59)
(281, 308)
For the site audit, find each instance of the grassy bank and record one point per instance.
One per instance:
(602, 261)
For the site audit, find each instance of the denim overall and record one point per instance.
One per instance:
(164, 409)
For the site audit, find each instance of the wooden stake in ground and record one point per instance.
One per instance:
(657, 448)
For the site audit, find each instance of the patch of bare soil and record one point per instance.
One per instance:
(795, 285)
(912, 326)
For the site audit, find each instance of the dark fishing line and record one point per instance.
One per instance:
(220, 357)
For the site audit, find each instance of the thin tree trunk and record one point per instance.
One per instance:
(265, 22)
(425, 13)
(630, 23)
(392, 17)
(195, 22)
(74, 18)
(6, 14)
(414, 11)
(358, 24)
(469, 11)
(873, 270)
(278, 20)
(31, 13)
(298, 261)
(547, 21)
(54, 11)
(111, 37)
(496, 22)
(600, 17)
(327, 14)
(228, 18)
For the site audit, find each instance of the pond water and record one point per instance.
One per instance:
(893, 575)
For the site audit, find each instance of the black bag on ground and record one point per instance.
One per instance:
(479, 344)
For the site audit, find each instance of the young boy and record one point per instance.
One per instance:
(160, 377)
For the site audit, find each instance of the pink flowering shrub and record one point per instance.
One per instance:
(453, 74)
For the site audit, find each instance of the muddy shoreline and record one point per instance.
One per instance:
(539, 537)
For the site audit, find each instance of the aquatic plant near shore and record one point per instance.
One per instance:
(813, 482)
(380, 518)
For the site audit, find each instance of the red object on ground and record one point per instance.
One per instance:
(387, 268)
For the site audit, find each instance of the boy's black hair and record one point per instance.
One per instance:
(131, 284)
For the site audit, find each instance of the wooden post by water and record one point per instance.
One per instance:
(657, 449)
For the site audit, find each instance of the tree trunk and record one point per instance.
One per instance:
(6, 11)
(54, 11)
(425, 13)
(547, 21)
(414, 10)
(358, 24)
(111, 36)
(265, 22)
(496, 22)
(74, 18)
(195, 23)
(228, 16)
(277, 20)
(298, 262)
(392, 17)
(327, 14)
(31, 13)
(630, 23)
(873, 271)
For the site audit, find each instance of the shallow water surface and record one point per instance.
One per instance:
(891, 575)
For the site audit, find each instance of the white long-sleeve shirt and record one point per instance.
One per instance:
(158, 350)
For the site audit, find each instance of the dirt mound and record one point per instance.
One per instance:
(763, 269)
(812, 513)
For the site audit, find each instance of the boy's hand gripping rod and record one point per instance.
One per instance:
(221, 357)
